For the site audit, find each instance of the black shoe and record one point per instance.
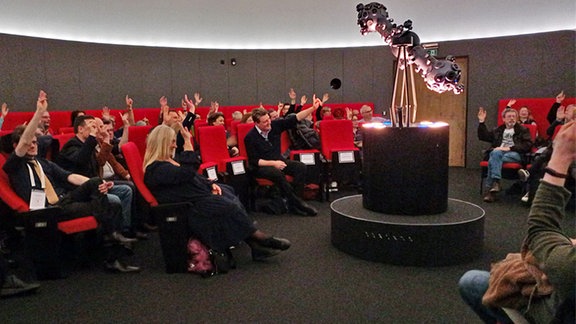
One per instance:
(117, 266)
(14, 286)
(276, 243)
(260, 253)
(296, 211)
(309, 210)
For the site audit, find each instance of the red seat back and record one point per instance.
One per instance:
(213, 146)
(8, 195)
(243, 130)
(533, 131)
(65, 130)
(336, 135)
(63, 138)
(134, 163)
(137, 135)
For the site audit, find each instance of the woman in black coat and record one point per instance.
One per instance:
(221, 220)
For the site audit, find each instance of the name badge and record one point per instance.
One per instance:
(37, 199)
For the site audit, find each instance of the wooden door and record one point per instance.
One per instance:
(447, 107)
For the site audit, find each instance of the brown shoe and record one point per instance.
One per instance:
(496, 187)
(489, 197)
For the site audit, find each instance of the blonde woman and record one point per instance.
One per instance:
(222, 221)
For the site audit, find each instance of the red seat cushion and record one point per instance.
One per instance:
(78, 225)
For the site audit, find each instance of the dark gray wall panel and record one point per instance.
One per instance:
(383, 82)
(27, 71)
(300, 73)
(214, 76)
(243, 78)
(327, 66)
(357, 74)
(63, 75)
(185, 67)
(271, 77)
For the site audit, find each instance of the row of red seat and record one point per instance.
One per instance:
(61, 120)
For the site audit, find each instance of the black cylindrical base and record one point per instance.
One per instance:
(453, 237)
(405, 170)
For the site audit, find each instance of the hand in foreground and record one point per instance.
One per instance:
(105, 186)
(216, 190)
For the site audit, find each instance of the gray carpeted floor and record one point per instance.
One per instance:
(312, 282)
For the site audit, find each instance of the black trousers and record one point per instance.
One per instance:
(86, 200)
(296, 169)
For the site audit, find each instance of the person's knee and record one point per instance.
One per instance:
(473, 283)
(113, 199)
(496, 154)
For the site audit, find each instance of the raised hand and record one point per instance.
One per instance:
(163, 102)
(511, 103)
(316, 102)
(129, 102)
(191, 107)
(325, 98)
(42, 103)
(125, 119)
(197, 98)
(303, 100)
(481, 114)
(561, 113)
(4, 110)
(106, 112)
(292, 95)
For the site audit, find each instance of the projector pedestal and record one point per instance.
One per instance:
(404, 216)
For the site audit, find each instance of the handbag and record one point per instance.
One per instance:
(206, 262)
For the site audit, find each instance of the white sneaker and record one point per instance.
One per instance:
(523, 175)
(525, 198)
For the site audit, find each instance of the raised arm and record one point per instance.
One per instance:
(316, 102)
(29, 133)
(553, 250)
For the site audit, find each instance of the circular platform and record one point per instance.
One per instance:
(453, 237)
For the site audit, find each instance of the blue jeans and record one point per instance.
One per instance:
(497, 158)
(122, 194)
(472, 286)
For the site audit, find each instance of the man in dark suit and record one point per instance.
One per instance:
(266, 160)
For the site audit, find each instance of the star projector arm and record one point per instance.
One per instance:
(439, 75)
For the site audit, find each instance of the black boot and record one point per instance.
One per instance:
(299, 207)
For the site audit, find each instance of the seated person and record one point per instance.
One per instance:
(304, 136)
(43, 183)
(551, 117)
(266, 161)
(563, 116)
(217, 119)
(83, 154)
(74, 114)
(368, 115)
(221, 221)
(247, 118)
(509, 142)
(553, 253)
